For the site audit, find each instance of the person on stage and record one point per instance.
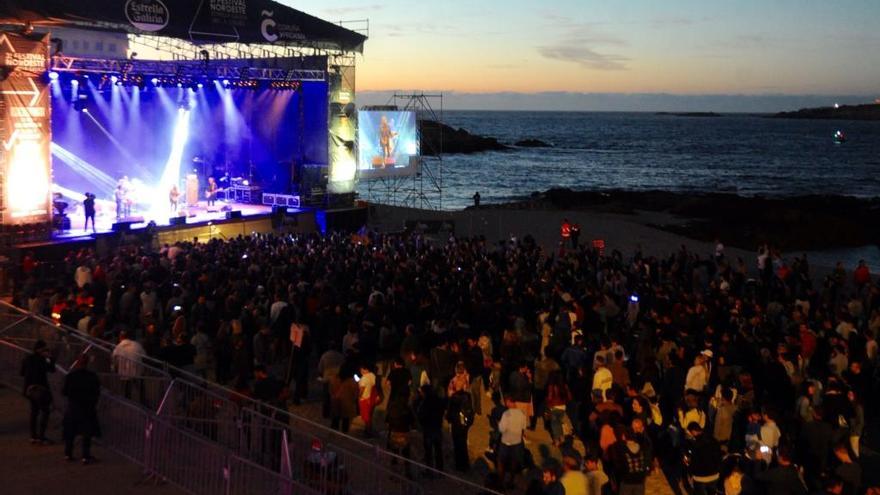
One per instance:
(386, 135)
(89, 207)
(119, 195)
(127, 196)
(173, 197)
(211, 191)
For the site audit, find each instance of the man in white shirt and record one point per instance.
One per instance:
(83, 276)
(602, 378)
(512, 426)
(367, 399)
(127, 361)
(698, 375)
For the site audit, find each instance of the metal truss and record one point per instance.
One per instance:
(286, 69)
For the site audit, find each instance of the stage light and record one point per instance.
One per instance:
(74, 82)
(226, 82)
(53, 75)
(179, 85)
(85, 110)
(155, 81)
(200, 85)
(113, 79)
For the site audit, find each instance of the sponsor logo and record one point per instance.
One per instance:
(273, 31)
(147, 15)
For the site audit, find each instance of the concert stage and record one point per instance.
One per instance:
(201, 214)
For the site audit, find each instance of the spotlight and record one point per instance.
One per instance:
(53, 75)
(113, 79)
(179, 85)
(155, 81)
(74, 82)
(200, 85)
(226, 82)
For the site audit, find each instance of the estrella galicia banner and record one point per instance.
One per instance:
(24, 130)
(200, 21)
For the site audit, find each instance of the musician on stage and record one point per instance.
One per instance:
(119, 195)
(173, 197)
(211, 191)
(89, 208)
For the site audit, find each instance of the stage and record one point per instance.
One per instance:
(105, 218)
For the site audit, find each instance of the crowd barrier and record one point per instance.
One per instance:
(206, 438)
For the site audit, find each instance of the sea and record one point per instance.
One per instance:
(736, 153)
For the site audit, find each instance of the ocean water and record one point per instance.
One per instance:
(741, 154)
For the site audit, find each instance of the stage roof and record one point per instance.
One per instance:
(198, 21)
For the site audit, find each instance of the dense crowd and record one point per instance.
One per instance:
(732, 376)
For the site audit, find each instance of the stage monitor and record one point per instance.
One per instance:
(388, 144)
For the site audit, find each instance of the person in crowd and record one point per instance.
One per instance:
(368, 398)
(82, 389)
(510, 454)
(35, 369)
(128, 358)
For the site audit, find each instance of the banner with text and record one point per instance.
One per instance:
(25, 134)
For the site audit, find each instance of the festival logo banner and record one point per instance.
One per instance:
(24, 129)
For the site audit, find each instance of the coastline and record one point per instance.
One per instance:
(827, 228)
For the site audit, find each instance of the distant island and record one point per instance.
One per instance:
(870, 111)
(690, 114)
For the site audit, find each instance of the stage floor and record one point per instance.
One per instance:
(195, 214)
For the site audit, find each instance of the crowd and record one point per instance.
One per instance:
(732, 376)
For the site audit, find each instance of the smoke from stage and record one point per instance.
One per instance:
(148, 137)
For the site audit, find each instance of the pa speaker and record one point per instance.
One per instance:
(177, 220)
(233, 214)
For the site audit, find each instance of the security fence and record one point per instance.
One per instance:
(206, 438)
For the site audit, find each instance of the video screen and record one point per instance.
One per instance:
(387, 140)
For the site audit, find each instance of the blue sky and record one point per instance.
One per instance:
(742, 47)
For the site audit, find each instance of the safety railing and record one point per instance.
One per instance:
(263, 438)
(165, 451)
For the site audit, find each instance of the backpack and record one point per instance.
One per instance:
(466, 413)
(636, 464)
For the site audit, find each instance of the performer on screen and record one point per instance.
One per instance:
(119, 195)
(89, 207)
(386, 136)
(173, 197)
(211, 191)
(127, 196)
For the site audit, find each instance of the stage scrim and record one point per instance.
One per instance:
(24, 130)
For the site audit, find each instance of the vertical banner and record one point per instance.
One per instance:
(25, 133)
(343, 130)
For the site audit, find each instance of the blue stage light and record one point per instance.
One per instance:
(74, 82)
(200, 85)
(179, 85)
(226, 82)
(53, 75)
(113, 79)
(155, 81)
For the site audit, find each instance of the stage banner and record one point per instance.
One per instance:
(203, 21)
(343, 130)
(25, 134)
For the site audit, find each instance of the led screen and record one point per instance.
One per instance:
(387, 143)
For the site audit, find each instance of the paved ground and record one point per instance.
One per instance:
(26, 469)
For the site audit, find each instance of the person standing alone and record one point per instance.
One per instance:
(82, 389)
(35, 369)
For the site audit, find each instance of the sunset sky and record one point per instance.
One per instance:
(634, 46)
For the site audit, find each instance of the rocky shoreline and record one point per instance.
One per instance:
(869, 111)
(790, 223)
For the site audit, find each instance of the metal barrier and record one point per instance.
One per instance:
(262, 440)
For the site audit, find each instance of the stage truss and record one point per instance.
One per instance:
(423, 189)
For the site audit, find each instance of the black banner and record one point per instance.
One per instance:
(200, 21)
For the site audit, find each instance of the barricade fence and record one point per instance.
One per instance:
(212, 422)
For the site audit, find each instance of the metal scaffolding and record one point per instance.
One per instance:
(424, 188)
